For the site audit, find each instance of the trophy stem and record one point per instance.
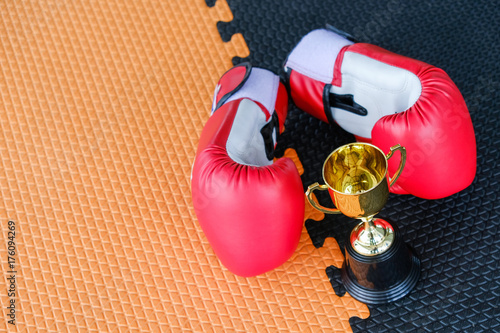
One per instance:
(372, 236)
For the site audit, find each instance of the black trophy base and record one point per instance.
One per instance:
(382, 278)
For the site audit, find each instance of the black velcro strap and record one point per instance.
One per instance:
(267, 134)
(345, 102)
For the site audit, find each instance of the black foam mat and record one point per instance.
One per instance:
(455, 237)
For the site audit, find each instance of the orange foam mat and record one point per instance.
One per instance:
(101, 107)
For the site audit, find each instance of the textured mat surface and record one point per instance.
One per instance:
(101, 107)
(456, 237)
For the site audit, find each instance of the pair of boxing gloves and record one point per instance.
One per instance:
(251, 206)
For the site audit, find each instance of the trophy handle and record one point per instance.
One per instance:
(401, 164)
(309, 194)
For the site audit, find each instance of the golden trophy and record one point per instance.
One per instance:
(378, 267)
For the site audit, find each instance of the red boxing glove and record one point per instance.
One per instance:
(250, 208)
(386, 99)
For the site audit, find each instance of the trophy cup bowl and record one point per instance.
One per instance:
(379, 267)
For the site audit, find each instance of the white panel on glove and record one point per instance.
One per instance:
(261, 86)
(380, 88)
(316, 53)
(245, 144)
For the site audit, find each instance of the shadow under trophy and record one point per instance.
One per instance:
(379, 267)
